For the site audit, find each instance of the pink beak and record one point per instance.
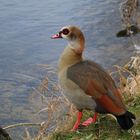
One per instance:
(56, 36)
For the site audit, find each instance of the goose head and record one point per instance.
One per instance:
(74, 36)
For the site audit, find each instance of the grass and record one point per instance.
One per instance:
(106, 128)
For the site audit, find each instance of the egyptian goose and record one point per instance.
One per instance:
(86, 84)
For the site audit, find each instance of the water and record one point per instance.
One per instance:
(25, 30)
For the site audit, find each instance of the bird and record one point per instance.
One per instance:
(86, 84)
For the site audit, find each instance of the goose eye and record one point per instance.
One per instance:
(65, 31)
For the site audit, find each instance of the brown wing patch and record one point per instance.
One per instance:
(109, 105)
(94, 90)
(107, 102)
(96, 82)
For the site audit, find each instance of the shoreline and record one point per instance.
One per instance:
(130, 87)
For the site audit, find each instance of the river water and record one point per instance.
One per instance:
(25, 30)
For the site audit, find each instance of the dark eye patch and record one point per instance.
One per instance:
(65, 31)
(72, 36)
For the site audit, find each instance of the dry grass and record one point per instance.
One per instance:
(58, 108)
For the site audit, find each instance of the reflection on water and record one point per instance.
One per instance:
(25, 30)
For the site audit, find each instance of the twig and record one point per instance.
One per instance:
(21, 124)
(124, 69)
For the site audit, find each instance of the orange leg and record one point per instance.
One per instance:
(90, 120)
(79, 117)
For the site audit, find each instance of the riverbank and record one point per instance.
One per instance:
(62, 115)
(106, 126)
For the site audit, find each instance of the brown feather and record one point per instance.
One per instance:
(96, 82)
